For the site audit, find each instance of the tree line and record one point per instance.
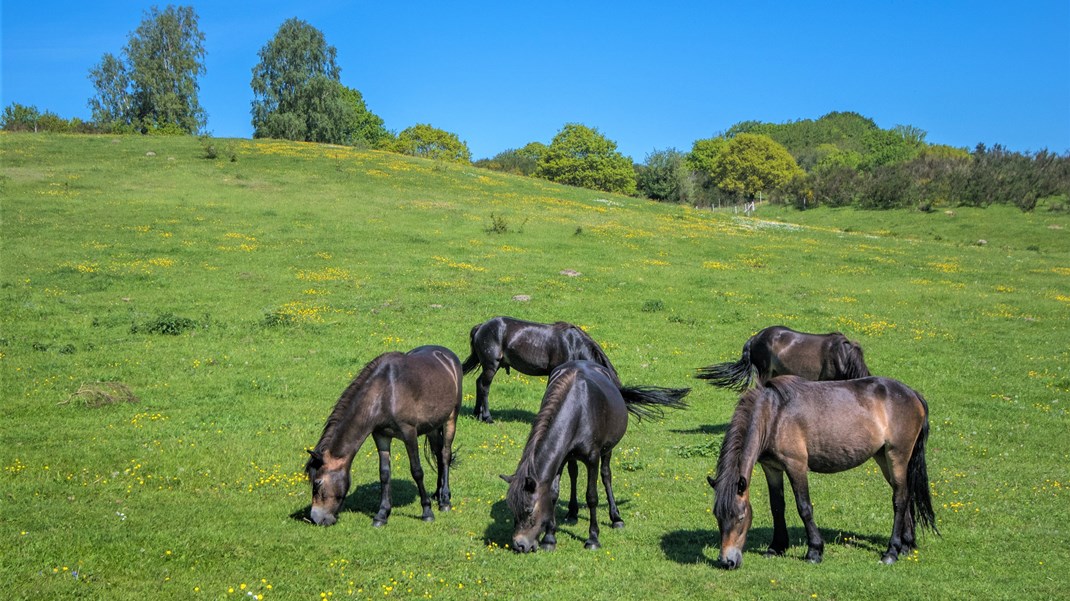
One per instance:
(840, 159)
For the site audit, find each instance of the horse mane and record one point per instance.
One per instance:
(599, 356)
(854, 362)
(343, 409)
(553, 399)
(740, 428)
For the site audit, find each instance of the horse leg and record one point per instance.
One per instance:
(801, 488)
(442, 490)
(774, 478)
(482, 408)
(445, 457)
(412, 446)
(573, 505)
(382, 443)
(607, 482)
(592, 505)
(549, 538)
(902, 539)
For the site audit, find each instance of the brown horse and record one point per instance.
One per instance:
(397, 395)
(797, 426)
(534, 349)
(780, 351)
(584, 415)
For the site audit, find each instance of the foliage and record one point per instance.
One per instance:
(155, 88)
(665, 177)
(520, 161)
(753, 163)
(424, 141)
(22, 118)
(297, 94)
(581, 156)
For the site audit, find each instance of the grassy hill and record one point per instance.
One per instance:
(234, 301)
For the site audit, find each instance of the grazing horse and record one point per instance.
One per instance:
(781, 351)
(397, 395)
(534, 349)
(584, 414)
(797, 426)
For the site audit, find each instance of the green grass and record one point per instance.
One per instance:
(175, 330)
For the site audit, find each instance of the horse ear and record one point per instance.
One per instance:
(741, 486)
(508, 479)
(529, 484)
(712, 481)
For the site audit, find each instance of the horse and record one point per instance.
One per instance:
(396, 395)
(531, 348)
(796, 426)
(780, 351)
(584, 414)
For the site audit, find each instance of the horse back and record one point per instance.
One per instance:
(420, 388)
(589, 404)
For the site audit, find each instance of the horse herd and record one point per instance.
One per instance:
(813, 407)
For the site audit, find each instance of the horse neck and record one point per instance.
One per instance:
(550, 441)
(751, 429)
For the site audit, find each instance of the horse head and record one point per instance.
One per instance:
(532, 504)
(733, 511)
(330, 483)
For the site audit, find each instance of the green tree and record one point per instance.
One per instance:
(665, 176)
(753, 163)
(19, 117)
(518, 161)
(581, 156)
(429, 142)
(297, 94)
(704, 153)
(156, 88)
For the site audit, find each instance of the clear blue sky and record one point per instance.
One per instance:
(649, 75)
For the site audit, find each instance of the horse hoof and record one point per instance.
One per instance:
(618, 524)
(377, 523)
(548, 546)
(591, 545)
(569, 519)
(772, 553)
(446, 507)
(815, 559)
(889, 559)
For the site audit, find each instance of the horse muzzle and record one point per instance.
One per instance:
(523, 545)
(321, 517)
(731, 559)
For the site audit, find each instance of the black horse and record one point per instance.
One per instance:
(397, 395)
(584, 415)
(780, 351)
(530, 348)
(795, 426)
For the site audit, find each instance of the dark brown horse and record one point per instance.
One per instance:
(797, 426)
(530, 348)
(781, 351)
(584, 414)
(397, 395)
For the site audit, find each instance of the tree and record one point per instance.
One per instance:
(19, 117)
(297, 94)
(581, 156)
(156, 88)
(429, 142)
(753, 163)
(518, 161)
(664, 176)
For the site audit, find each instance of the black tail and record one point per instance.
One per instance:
(650, 401)
(472, 361)
(921, 502)
(735, 376)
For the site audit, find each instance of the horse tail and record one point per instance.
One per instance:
(472, 361)
(735, 376)
(650, 401)
(921, 502)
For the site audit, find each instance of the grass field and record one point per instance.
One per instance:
(175, 330)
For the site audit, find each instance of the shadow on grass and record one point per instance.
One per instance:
(500, 530)
(690, 546)
(503, 415)
(365, 499)
(707, 429)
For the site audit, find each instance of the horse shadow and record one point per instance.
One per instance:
(365, 499)
(504, 415)
(500, 531)
(705, 429)
(689, 547)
